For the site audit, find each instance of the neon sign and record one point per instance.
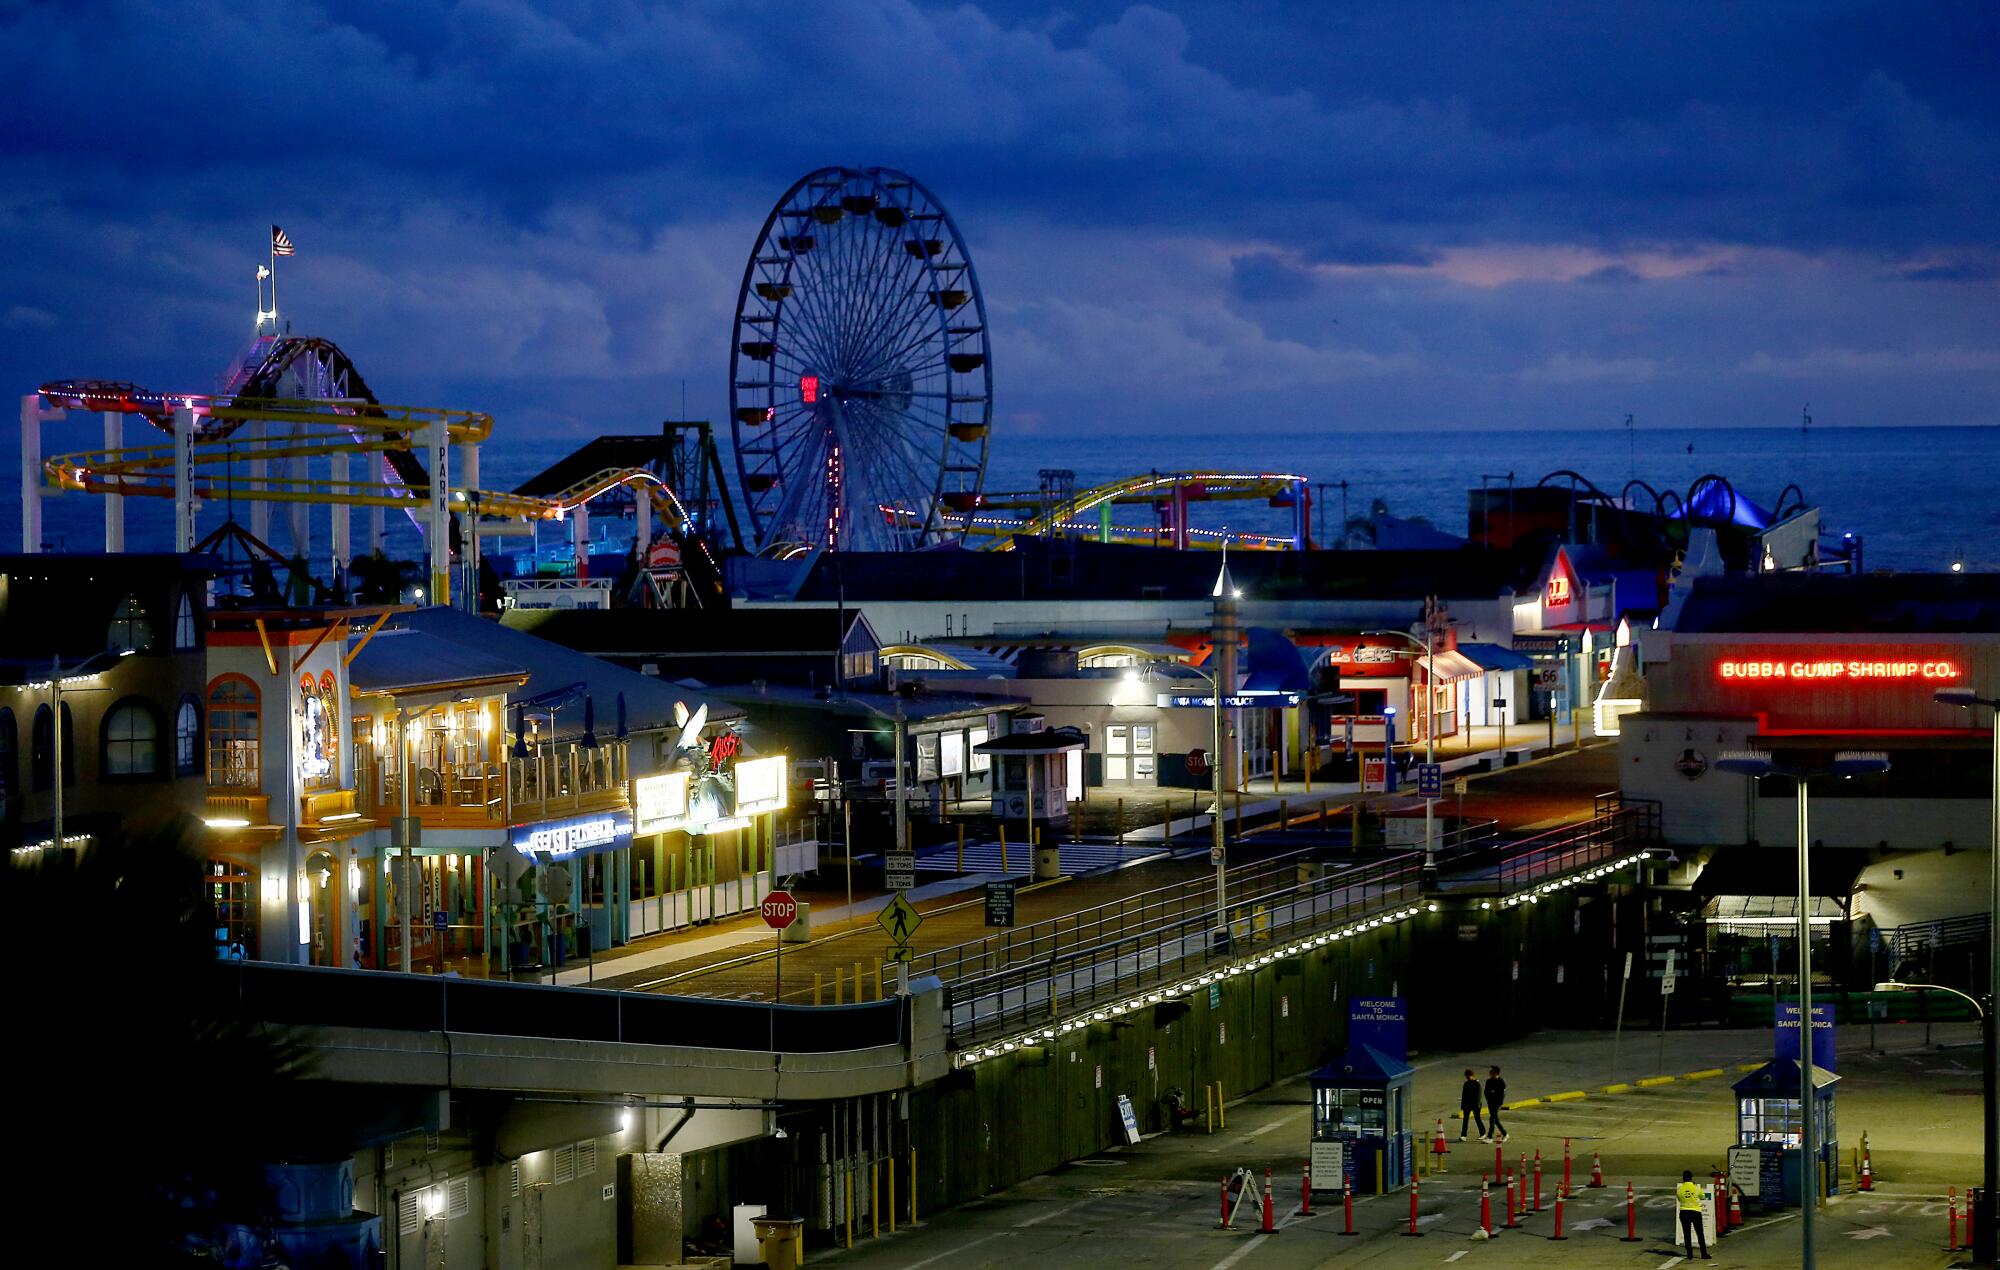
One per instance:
(809, 389)
(1826, 669)
(1558, 589)
(660, 802)
(575, 835)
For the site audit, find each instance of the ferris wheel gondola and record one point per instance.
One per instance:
(861, 393)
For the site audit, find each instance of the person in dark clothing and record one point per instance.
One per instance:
(1496, 1093)
(1468, 1107)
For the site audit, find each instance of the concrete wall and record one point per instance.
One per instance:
(1921, 886)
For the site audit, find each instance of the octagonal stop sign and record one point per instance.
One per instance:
(779, 910)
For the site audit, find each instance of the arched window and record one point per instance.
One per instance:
(187, 738)
(187, 636)
(10, 773)
(234, 732)
(131, 631)
(131, 739)
(42, 747)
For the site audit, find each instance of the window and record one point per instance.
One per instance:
(8, 773)
(130, 631)
(186, 636)
(131, 739)
(41, 743)
(234, 733)
(233, 905)
(187, 738)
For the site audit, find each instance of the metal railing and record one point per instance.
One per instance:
(1068, 979)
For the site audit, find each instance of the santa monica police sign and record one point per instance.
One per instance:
(565, 837)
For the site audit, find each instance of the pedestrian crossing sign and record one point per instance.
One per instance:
(899, 919)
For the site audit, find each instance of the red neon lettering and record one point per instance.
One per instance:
(1898, 669)
(808, 388)
(1558, 589)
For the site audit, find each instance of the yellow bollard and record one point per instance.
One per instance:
(1221, 1111)
(961, 848)
(913, 1186)
(1309, 768)
(892, 1196)
(817, 984)
(1378, 1173)
(1003, 848)
(874, 1201)
(799, 1247)
(839, 985)
(857, 983)
(1038, 835)
(1274, 771)
(1208, 1096)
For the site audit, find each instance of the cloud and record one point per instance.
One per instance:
(1263, 276)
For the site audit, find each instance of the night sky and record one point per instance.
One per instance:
(1326, 215)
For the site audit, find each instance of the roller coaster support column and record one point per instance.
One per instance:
(183, 480)
(579, 536)
(114, 504)
(341, 545)
(468, 478)
(33, 415)
(642, 520)
(440, 513)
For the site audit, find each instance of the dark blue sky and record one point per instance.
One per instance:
(1340, 215)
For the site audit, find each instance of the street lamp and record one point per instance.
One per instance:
(1986, 1249)
(1216, 854)
(1430, 740)
(1757, 763)
(1896, 985)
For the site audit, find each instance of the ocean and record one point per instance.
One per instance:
(1920, 498)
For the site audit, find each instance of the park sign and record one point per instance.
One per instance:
(1822, 1037)
(1381, 1023)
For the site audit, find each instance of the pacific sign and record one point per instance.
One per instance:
(1822, 670)
(569, 836)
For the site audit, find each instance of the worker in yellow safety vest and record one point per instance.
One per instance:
(1687, 1198)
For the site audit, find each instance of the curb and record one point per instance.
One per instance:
(1649, 1082)
(1620, 1088)
(1570, 1096)
(1707, 1073)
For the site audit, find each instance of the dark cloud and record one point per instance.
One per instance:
(542, 208)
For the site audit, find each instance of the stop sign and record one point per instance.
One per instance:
(1197, 762)
(779, 910)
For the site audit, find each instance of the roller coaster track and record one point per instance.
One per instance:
(1088, 512)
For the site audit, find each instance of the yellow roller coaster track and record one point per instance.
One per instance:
(1069, 516)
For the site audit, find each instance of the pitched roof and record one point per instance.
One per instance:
(663, 632)
(413, 661)
(649, 700)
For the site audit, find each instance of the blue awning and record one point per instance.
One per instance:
(1273, 664)
(1494, 657)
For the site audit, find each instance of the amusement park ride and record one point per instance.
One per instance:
(861, 408)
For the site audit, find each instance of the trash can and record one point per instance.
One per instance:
(801, 929)
(780, 1239)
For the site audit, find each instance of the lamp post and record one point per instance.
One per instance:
(1430, 739)
(1757, 763)
(1216, 852)
(1985, 1248)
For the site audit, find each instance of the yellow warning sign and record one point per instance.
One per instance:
(899, 919)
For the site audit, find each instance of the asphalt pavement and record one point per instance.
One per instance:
(1158, 1203)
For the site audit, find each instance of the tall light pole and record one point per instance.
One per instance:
(1754, 764)
(1430, 738)
(1216, 853)
(1985, 1248)
(1221, 682)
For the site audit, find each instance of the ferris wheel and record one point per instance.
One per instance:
(861, 396)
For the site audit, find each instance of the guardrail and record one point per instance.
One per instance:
(323, 996)
(1071, 962)
(983, 1005)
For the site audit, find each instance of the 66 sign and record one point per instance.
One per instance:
(779, 910)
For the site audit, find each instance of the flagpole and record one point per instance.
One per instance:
(274, 282)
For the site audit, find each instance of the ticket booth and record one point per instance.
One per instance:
(1769, 1118)
(1361, 1114)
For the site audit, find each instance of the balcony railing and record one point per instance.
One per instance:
(458, 795)
(557, 779)
(224, 806)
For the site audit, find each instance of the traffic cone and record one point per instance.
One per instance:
(1439, 1147)
(1269, 1227)
(1867, 1169)
(1631, 1217)
(1413, 1232)
(1596, 1170)
(1485, 1206)
(1735, 1207)
(1305, 1192)
(1559, 1216)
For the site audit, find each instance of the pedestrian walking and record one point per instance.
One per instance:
(1468, 1107)
(1496, 1093)
(1688, 1199)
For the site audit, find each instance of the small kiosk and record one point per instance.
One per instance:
(1360, 1126)
(1768, 1121)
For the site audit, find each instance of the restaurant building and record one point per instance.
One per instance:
(1807, 665)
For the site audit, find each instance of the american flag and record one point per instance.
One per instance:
(280, 245)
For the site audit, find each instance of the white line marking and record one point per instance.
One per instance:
(1454, 1256)
(1233, 1257)
(1278, 1123)
(983, 1239)
(1053, 1212)
(1674, 1262)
